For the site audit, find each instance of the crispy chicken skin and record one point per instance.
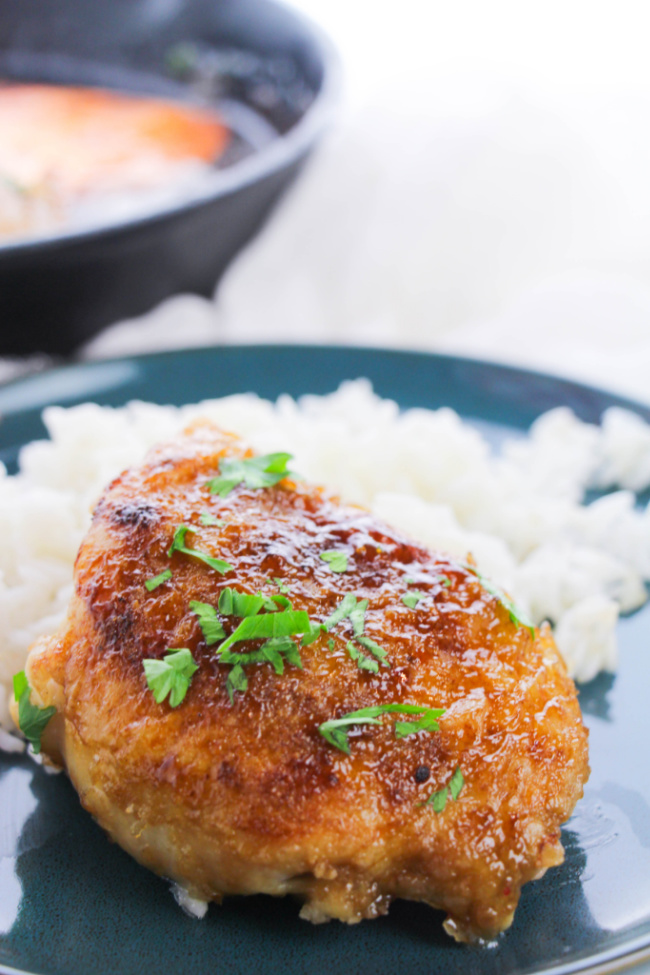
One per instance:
(248, 797)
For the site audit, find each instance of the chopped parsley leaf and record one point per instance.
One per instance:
(355, 610)
(360, 659)
(274, 602)
(446, 581)
(428, 722)
(178, 545)
(456, 783)
(288, 622)
(269, 604)
(315, 630)
(342, 611)
(208, 621)
(234, 603)
(236, 681)
(357, 617)
(32, 720)
(517, 617)
(170, 676)
(158, 580)
(439, 799)
(276, 626)
(337, 560)
(254, 472)
(412, 598)
(375, 649)
(284, 589)
(208, 520)
(349, 608)
(226, 602)
(330, 644)
(334, 730)
(278, 647)
(273, 652)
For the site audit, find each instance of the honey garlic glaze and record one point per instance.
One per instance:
(248, 796)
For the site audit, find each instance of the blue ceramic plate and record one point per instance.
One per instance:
(73, 903)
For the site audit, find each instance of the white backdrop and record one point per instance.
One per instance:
(487, 191)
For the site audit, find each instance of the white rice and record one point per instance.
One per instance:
(520, 513)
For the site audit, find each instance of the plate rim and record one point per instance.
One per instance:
(60, 369)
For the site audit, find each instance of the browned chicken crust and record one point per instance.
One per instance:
(248, 797)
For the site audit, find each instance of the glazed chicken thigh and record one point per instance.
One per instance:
(255, 776)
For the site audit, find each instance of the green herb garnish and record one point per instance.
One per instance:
(439, 799)
(275, 626)
(274, 602)
(274, 651)
(374, 648)
(254, 472)
(360, 659)
(428, 722)
(178, 545)
(412, 598)
(32, 720)
(208, 520)
(357, 617)
(235, 603)
(288, 622)
(315, 630)
(337, 560)
(355, 610)
(517, 617)
(342, 611)
(236, 681)
(334, 730)
(172, 675)
(158, 580)
(280, 584)
(446, 581)
(456, 783)
(208, 621)
(349, 608)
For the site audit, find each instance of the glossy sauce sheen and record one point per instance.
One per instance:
(247, 796)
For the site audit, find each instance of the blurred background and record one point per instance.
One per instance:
(484, 190)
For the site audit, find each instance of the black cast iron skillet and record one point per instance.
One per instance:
(270, 71)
